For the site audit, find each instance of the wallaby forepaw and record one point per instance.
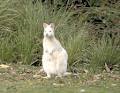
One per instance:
(46, 77)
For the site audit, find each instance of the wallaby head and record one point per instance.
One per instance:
(48, 30)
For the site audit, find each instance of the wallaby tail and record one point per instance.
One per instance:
(67, 73)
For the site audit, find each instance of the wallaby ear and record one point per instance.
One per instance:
(45, 25)
(52, 25)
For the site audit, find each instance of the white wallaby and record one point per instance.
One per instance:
(54, 58)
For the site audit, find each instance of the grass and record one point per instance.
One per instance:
(20, 79)
(26, 37)
(104, 51)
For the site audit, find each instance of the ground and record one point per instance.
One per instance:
(27, 79)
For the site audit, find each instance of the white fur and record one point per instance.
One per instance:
(54, 59)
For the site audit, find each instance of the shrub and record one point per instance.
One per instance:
(21, 31)
(104, 51)
(24, 42)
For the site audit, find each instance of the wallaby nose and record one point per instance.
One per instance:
(46, 34)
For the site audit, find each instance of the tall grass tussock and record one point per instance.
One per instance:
(90, 35)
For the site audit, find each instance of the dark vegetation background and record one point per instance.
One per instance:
(88, 29)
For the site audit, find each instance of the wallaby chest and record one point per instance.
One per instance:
(50, 45)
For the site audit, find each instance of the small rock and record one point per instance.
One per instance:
(36, 76)
(55, 84)
(82, 90)
(114, 84)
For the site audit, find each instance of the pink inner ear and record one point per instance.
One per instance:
(45, 25)
(52, 25)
